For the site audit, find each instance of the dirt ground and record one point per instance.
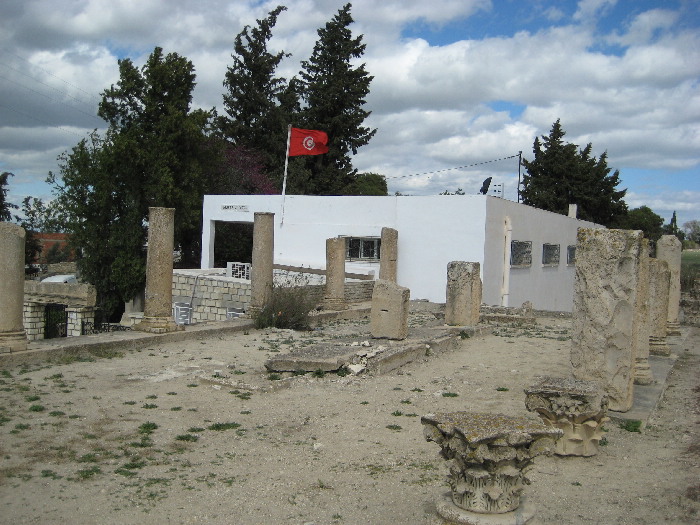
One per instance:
(198, 432)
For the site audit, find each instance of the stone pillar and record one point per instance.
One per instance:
(389, 254)
(668, 248)
(488, 455)
(642, 370)
(389, 315)
(659, 280)
(261, 273)
(13, 338)
(158, 307)
(605, 299)
(34, 320)
(463, 297)
(577, 408)
(76, 316)
(334, 294)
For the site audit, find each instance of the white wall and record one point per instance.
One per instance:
(548, 288)
(432, 231)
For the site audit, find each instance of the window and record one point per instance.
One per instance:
(571, 254)
(366, 248)
(550, 254)
(520, 253)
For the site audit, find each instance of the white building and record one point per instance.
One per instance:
(526, 254)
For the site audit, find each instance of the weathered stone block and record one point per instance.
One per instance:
(604, 314)
(463, 295)
(389, 315)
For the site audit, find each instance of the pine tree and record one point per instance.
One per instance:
(561, 174)
(5, 207)
(258, 103)
(333, 92)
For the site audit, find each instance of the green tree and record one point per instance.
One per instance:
(333, 93)
(153, 154)
(5, 207)
(643, 218)
(692, 230)
(259, 104)
(368, 184)
(561, 174)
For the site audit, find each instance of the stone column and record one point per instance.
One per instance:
(389, 315)
(642, 370)
(158, 307)
(334, 297)
(261, 274)
(605, 299)
(463, 297)
(668, 248)
(13, 338)
(389, 255)
(659, 280)
(488, 456)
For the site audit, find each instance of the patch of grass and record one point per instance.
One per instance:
(502, 389)
(239, 372)
(464, 334)
(631, 425)
(603, 441)
(289, 306)
(147, 428)
(37, 408)
(196, 429)
(88, 472)
(187, 437)
(245, 412)
(318, 373)
(152, 396)
(176, 409)
(397, 413)
(6, 373)
(150, 405)
(406, 402)
(50, 474)
(22, 426)
(32, 398)
(449, 394)
(274, 377)
(416, 389)
(129, 402)
(364, 402)
(396, 428)
(342, 372)
(57, 413)
(224, 426)
(192, 385)
(88, 458)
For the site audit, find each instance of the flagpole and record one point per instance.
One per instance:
(286, 164)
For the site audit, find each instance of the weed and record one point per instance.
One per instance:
(147, 428)
(245, 411)
(397, 428)
(416, 389)
(32, 398)
(37, 408)
(5, 373)
(88, 472)
(323, 485)
(289, 305)
(150, 405)
(397, 413)
(364, 402)
(176, 409)
(195, 429)
(50, 474)
(576, 483)
(152, 396)
(57, 413)
(22, 426)
(342, 372)
(187, 437)
(632, 425)
(239, 372)
(397, 388)
(463, 334)
(406, 402)
(193, 385)
(449, 394)
(411, 415)
(224, 426)
(318, 373)
(502, 389)
(603, 441)
(172, 393)
(88, 458)
(274, 377)
(129, 402)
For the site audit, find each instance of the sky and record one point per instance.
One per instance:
(460, 87)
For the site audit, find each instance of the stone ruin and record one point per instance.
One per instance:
(389, 315)
(578, 408)
(463, 293)
(488, 457)
(13, 338)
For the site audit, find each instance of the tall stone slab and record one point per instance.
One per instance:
(389, 255)
(158, 304)
(668, 248)
(261, 271)
(334, 294)
(642, 370)
(389, 314)
(463, 295)
(659, 281)
(604, 312)
(13, 338)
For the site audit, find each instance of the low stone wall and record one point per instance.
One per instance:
(217, 297)
(79, 300)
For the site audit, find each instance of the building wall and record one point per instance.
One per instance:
(433, 230)
(547, 287)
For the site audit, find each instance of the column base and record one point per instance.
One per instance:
(454, 514)
(642, 373)
(673, 328)
(659, 346)
(13, 341)
(158, 325)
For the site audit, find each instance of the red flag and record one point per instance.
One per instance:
(307, 142)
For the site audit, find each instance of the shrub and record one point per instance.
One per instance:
(289, 305)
